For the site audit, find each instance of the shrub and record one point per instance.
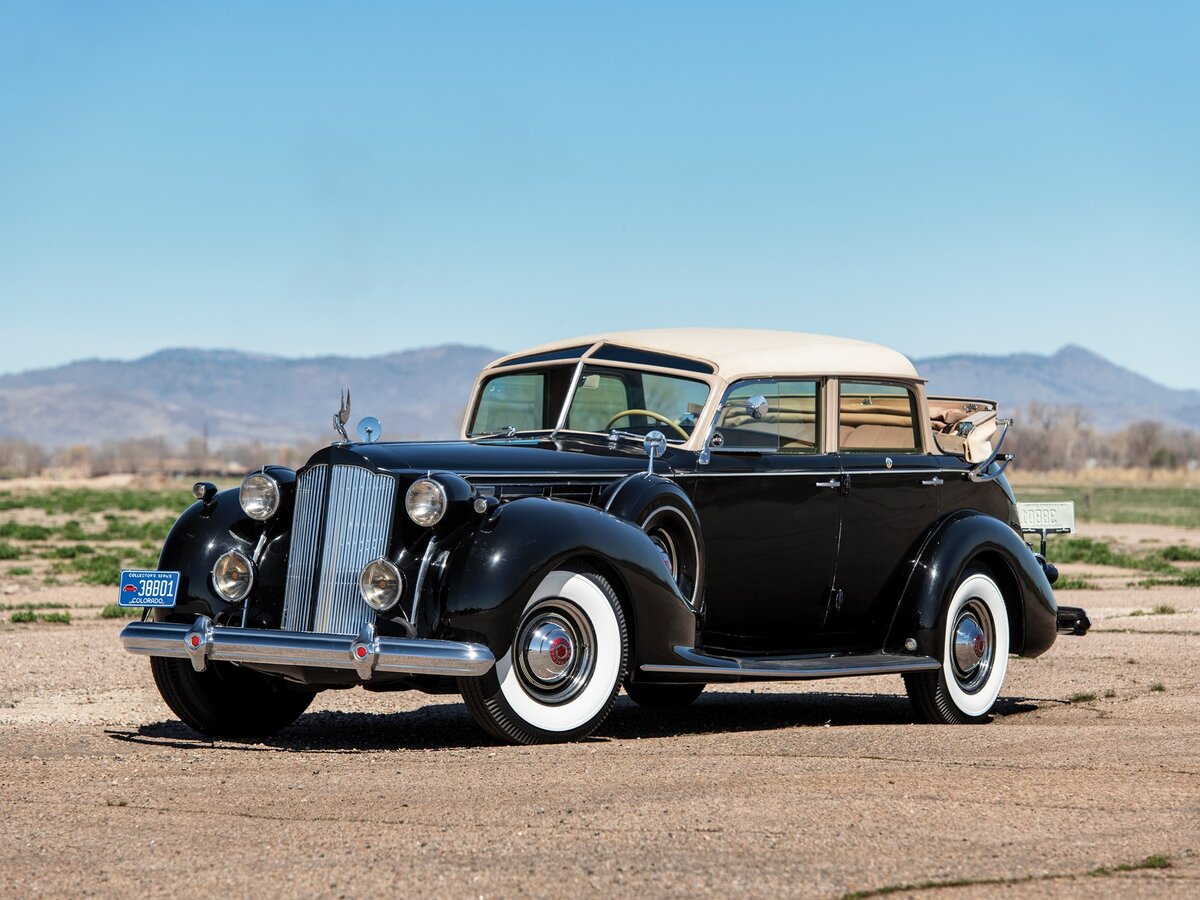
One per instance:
(25, 532)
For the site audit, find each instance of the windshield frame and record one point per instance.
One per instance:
(711, 381)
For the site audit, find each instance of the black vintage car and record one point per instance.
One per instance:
(657, 510)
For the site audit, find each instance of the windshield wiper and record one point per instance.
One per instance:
(507, 431)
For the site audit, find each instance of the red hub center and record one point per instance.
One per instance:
(560, 651)
(980, 646)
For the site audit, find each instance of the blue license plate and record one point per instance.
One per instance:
(141, 587)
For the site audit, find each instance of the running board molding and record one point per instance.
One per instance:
(701, 665)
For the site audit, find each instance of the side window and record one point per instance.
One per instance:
(799, 417)
(875, 416)
(790, 424)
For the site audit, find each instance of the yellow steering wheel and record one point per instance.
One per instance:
(647, 412)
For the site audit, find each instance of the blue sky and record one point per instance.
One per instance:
(304, 179)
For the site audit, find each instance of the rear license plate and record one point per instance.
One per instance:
(141, 587)
(1049, 517)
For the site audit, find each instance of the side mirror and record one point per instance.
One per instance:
(655, 445)
(756, 406)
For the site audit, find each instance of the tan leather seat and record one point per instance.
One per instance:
(870, 437)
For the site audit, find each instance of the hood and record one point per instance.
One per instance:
(467, 458)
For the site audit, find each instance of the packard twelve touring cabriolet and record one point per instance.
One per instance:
(658, 510)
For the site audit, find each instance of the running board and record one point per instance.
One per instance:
(696, 663)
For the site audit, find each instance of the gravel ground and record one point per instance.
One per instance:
(818, 789)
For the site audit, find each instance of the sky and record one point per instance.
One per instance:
(306, 179)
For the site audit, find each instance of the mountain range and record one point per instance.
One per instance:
(233, 397)
(1111, 396)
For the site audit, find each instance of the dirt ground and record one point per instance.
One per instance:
(1091, 763)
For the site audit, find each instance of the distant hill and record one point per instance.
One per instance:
(239, 397)
(1112, 396)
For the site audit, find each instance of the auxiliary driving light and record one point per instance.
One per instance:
(260, 496)
(233, 576)
(425, 502)
(380, 584)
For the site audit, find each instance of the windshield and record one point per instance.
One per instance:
(605, 398)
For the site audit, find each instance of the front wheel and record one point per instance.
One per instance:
(227, 701)
(562, 671)
(975, 643)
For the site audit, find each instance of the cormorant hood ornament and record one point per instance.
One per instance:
(342, 416)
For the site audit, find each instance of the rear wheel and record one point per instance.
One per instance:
(660, 696)
(975, 644)
(560, 676)
(228, 701)
(675, 535)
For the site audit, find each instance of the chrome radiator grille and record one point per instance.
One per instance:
(335, 532)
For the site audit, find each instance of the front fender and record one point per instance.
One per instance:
(965, 538)
(200, 535)
(492, 575)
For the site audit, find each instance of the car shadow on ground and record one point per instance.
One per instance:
(443, 726)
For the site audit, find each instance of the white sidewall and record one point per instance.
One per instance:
(983, 588)
(587, 596)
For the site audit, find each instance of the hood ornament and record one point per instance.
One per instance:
(342, 416)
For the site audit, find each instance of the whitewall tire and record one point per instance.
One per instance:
(563, 668)
(975, 644)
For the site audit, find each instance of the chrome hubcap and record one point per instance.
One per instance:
(554, 651)
(974, 645)
(548, 651)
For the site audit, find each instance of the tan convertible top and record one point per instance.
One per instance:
(738, 352)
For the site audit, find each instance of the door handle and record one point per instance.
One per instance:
(935, 481)
(832, 483)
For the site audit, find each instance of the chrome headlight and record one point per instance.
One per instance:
(425, 502)
(260, 496)
(380, 584)
(233, 576)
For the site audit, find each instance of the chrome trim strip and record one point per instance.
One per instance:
(821, 472)
(419, 585)
(562, 415)
(522, 477)
(296, 648)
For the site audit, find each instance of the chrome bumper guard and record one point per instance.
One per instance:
(366, 654)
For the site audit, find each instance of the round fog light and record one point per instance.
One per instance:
(259, 496)
(380, 584)
(233, 576)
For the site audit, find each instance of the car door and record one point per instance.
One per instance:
(769, 508)
(890, 499)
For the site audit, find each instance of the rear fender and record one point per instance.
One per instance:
(964, 539)
(492, 575)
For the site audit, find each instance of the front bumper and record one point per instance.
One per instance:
(366, 654)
